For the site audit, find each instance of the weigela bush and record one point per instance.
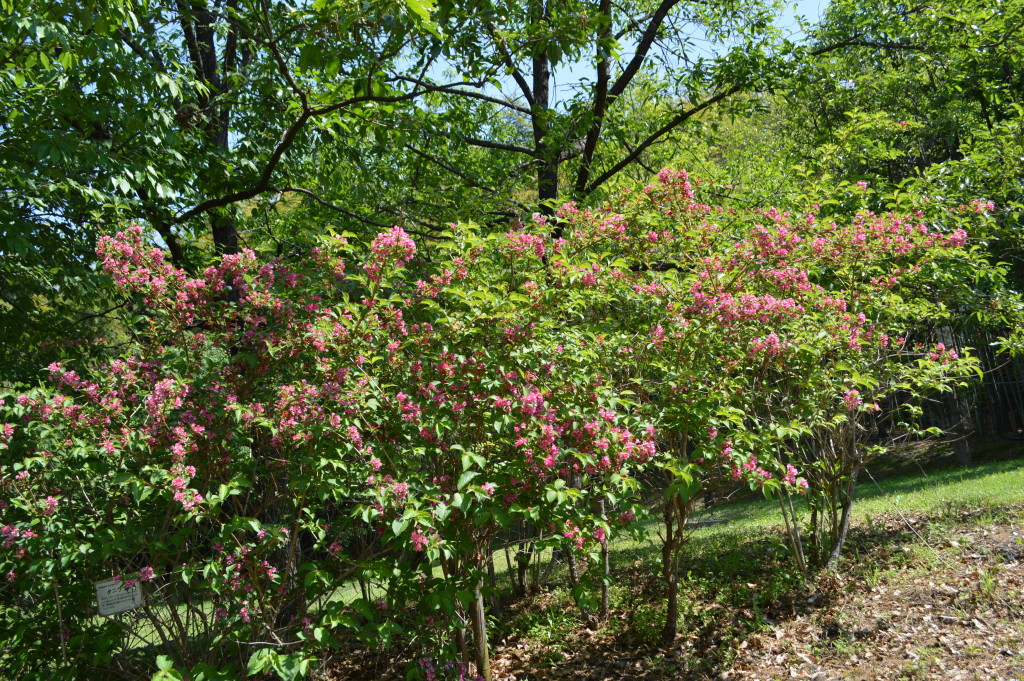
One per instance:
(282, 431)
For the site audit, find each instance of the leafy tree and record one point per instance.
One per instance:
(169, 112)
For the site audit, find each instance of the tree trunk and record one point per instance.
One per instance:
(670, 573)
(844, 521)
(523, 555)
(574, 579)
(546, 153)
(480, 648)
(460, 643)
(225, 232)
(538, 556)
(198, 23)
(606, 569)
(509, 571)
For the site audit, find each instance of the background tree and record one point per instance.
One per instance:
(169, 112)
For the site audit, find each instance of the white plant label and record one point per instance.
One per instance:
(113, 597)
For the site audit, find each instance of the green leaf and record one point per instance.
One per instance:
(421, 8)
(291, 667)
(466, 478)
(261, 661)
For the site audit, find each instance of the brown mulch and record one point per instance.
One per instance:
(958, 616)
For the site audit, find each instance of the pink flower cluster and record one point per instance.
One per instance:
(520, 243)
(942, 354)
(852, 399)
(395, 245)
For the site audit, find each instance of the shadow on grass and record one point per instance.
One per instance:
(924, 491)
(936, 479)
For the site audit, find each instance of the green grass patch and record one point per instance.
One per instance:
(989, 485)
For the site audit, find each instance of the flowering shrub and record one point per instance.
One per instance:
(741, 335)
(282, 430)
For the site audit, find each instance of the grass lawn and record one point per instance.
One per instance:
(986, 485)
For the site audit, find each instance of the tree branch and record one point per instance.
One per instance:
(451, 169)
(282, 66)
(287, 139)
(667, 128)
(642, 48)
(506, 57)
(469, 93)
(600, 98)
(488, 144)
(153, 57)
(327, 204)
(853, 42)
(191, 45)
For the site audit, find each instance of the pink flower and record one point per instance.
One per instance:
(51, 504)
(657, 335)
(419, 540)
(394, 245)
(852, 399)
(146, 574)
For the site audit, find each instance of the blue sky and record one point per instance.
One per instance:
(568, 75)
